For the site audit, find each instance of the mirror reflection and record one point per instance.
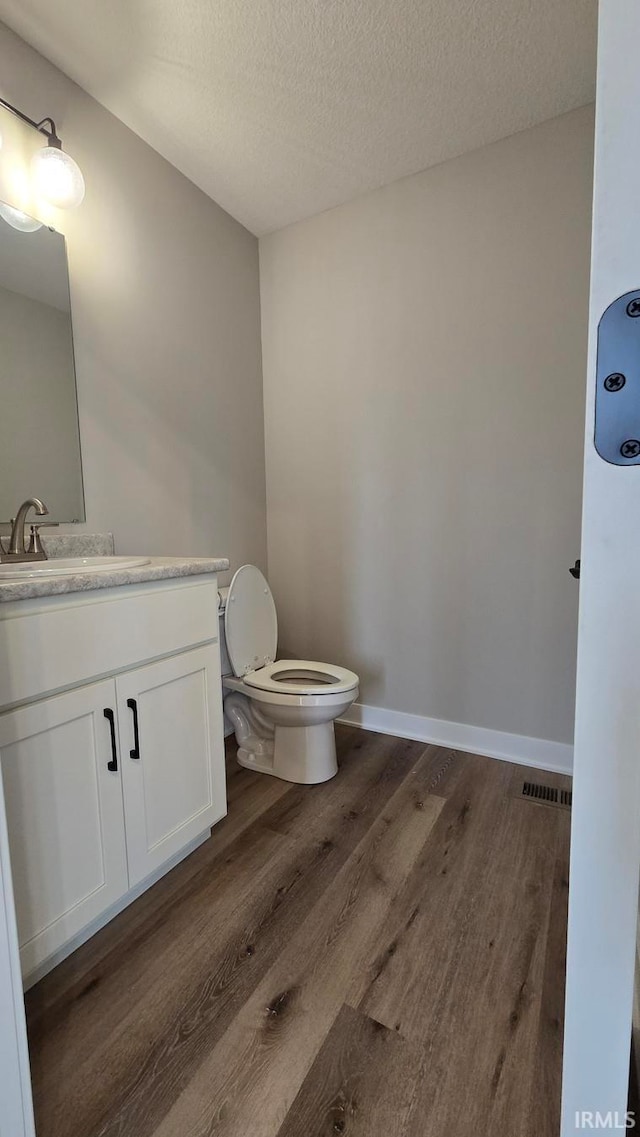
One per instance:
(40, 451)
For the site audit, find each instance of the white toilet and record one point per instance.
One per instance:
(282, 712)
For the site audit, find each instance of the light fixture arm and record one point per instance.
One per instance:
(50, 132)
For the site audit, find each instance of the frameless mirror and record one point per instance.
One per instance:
(40, 451)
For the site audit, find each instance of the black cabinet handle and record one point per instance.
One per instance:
(575, 571)
(133, 707)
(113, 764)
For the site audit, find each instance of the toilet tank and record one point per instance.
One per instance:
(225, 665)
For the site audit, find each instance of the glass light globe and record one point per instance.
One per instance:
(19, 220)
(57, 177)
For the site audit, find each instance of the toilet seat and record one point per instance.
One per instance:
(251, 634)
(301, 677)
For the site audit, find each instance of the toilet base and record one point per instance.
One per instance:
(302, 754)
(272, 740)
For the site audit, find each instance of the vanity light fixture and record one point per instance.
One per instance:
(56, 176)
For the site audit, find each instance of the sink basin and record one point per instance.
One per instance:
(64, 566)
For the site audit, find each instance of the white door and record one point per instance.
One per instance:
(65, 816)
(172, 748)
(16, 1109)
(605, 844)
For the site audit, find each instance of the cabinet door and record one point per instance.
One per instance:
(172, 745)
(64, 816)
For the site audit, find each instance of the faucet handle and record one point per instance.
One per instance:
(35, 544)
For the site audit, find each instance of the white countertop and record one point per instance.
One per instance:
(157, 568)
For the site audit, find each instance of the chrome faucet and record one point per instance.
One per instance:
(17, 550)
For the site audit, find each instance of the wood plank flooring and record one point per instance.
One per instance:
(380, 956)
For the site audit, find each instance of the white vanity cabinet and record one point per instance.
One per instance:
(112, 780)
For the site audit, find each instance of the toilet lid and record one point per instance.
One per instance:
(250, 621)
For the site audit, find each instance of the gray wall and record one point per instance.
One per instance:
(165, 302)
(424, 353)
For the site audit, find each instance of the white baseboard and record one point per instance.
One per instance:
(538, 752)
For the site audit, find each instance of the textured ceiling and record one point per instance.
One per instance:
(279, 109)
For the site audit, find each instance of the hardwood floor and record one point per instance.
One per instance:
(380, 956)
